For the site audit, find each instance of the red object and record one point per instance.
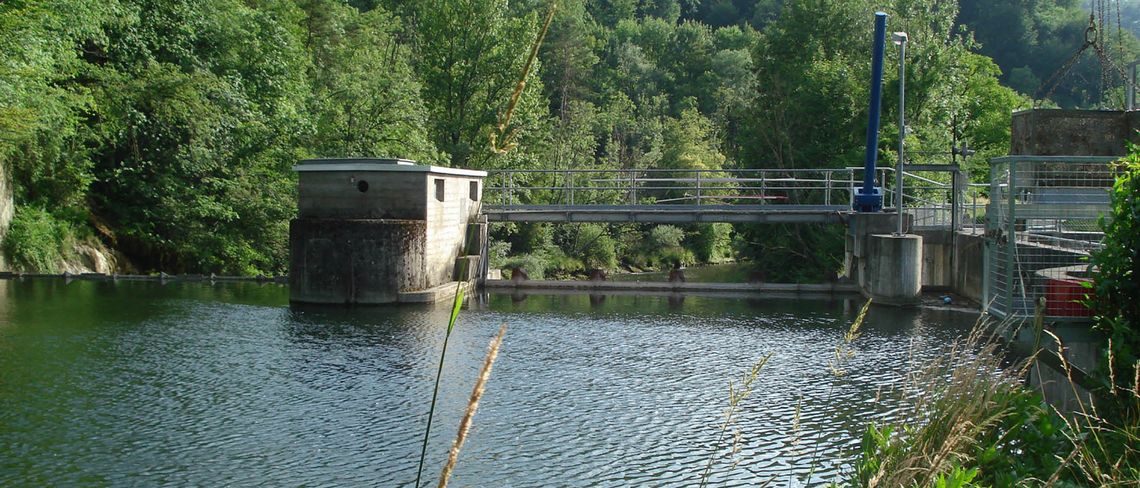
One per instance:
(1064, 297)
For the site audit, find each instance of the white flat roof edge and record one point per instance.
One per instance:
(387, 167)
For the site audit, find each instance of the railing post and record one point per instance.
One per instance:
(1011, 250)
(955, 187)
(633, 186)
(510, 188)
(570, 186)
(827, 187)
(698, 187)
(974, 208)
(763, 188)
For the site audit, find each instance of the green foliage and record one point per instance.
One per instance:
(957, 478)
(816, 250)
(590, 244)
(469, 55)
(1032, 40)
(528, 238)
(712, 242)
(173, 123)
(665, 236)
(1117, 286)
(973, 423)
(36, 240)
(1026, 441)
(365, 95)
(534, 265)
(664, 247)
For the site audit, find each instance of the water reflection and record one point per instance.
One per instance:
(198, 384)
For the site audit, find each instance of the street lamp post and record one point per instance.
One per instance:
(900, 40)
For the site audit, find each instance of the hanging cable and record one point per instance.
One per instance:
(1095, 38)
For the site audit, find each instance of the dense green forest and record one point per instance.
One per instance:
(165, 129)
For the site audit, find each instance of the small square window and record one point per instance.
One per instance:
(474, 191)
(439, 191)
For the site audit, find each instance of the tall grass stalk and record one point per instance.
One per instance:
(962, 396)
(456, 306)
(472, 406)
(502, 142)
(1104, 453)
(735, 396)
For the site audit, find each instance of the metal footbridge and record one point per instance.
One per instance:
(696, 195)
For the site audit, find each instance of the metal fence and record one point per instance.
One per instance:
(935, 195)
(1041, 224)
(576, 187)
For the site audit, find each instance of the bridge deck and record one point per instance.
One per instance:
(668, 214)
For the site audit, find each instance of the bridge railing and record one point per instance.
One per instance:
(574, 187)
(937, 196)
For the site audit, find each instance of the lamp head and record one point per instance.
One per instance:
(899, 38)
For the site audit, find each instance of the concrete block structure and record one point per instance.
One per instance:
(1056, 132)
(375, 231)
(887, 268)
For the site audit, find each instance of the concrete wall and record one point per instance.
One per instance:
(893, 270)
(953, 264)
(859, 229)
(970, 266)
(447, 222)
(367, 235)
(1050, 132)
(937, 256)
(337, 194)
(355, 261)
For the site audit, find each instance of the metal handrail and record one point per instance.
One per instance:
(644, 183)
(795, 186)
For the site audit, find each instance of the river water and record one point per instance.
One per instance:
(142, 384)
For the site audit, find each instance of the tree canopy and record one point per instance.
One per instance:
(166, 129)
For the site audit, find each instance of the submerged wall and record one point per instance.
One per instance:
(355, 261)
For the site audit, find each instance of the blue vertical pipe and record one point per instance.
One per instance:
(868, 199)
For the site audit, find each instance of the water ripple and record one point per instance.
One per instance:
(185, 387)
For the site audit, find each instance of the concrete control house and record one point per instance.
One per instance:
(373, 231)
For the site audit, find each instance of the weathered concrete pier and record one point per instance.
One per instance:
(373, 231)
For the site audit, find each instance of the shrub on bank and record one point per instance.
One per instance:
(1117, 284)
(975, 423)
(36, 240)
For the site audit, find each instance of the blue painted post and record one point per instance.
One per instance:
(868, 198)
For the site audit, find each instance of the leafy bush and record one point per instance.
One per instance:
(497, 253)
(36, 240)
(665, 236)
(666, 258)
(1117, 284)
(713, 242)
(534, 265)
(529, 238)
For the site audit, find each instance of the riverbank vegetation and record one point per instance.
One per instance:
(166, 129)
(976, 422)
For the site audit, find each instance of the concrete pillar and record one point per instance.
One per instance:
(893, 269)
(859, 229)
